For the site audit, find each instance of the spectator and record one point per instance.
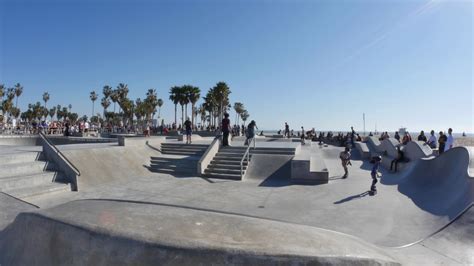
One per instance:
(400, 158)
(422, 136)
(225, 130)
(397, 136)
(450, 140)
(442, 142)
(406, 138)
(432, 140)
(189, 130)
(287, 130)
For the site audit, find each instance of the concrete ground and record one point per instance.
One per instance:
(393, 221)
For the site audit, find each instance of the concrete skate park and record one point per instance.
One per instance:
(130, 200)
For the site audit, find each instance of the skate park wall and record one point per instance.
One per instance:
(106, 164)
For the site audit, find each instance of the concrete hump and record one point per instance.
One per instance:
(390, 147)
(415, 150)
(108, 232)
(374, 144)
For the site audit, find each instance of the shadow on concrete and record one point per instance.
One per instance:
(358, 196)
(152, 147)
(279, 178)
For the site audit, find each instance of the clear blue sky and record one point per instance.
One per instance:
(314, 63)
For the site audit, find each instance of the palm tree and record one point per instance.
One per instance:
(245, 115)
(238, 107)
(114, 97)
(174, 96)
(2, 93)
(182, 101)
(159, 103)
(221, 92)
(45, 99)
(18, 92)
(52, 112)
(107, 91)
(105, 103)
(151, 102)
(70, 107)
(194, 95)
(93, 96)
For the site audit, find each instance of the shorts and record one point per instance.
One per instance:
(188, 132)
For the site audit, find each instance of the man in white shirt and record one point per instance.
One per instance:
(450, 142)
(432, 140)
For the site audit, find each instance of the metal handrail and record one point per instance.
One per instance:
(247, 153)
(73, 167)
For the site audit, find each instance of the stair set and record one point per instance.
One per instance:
(226, 163)
(183, 149)
(26, 174)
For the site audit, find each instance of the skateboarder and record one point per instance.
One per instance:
(345, 157)
(287, 130)
(376, 160)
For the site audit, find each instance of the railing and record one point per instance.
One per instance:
(246, 154)
(60, 154)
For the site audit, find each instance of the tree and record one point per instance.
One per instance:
(93, 96)
(245, 115)
(239, 108)
(70, 107)
(2, 93)
(52, 112)
(221, 92)
(174, 97)
(45, 98)
(114, 97)
(159, 103)
(107, 91)
(18, 92)
(15, 112)
(194, 95)
(105, 102)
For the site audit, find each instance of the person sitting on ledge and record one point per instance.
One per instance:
(400, 158)
(397, 136)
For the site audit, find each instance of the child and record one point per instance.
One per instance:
(376, 161)
(345, 157)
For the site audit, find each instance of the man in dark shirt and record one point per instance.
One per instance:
(225, 130)
(422, 136)
(287, 130)
(442, 142)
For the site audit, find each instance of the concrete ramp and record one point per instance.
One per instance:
(104, 232)
(415, 150)
(441, 187)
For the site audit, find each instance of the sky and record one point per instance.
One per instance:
(318, 63)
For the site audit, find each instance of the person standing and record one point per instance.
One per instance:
(345, 157)
(450, 140)
(225, 130)
(432, 140)
(422, 136)
(442, 142)
(397, 136)
(376, 160)
(189, 131)
(302, 135)
(353, 133)
(287, 130)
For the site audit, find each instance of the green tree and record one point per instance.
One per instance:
(105, 102)
(174, 97)
(52, 112)
(93, 96)
(18, 92)
(45, 98)
(245, 115)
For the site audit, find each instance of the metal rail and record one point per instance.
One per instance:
(246, 154)
(58, 152)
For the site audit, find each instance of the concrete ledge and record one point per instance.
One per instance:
(208, 155)
(21, 140)
(309, 170)
(363, 149)
(102, 232)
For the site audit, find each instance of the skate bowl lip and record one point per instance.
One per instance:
(327, 245)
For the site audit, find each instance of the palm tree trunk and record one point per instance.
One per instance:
(192, 114)
(93, 103)
(182, 115)
(16, 104)
(175, 114)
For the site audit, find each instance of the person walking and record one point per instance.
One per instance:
(442, 142)
(450, 140)
(225, 130)
(374, 173)
(345, 157)
(189, 131)
(251, 132)
(287, 130)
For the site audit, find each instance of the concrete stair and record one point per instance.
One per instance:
(174, 166)
(226, 164)
(183, 149)
(25, 174)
